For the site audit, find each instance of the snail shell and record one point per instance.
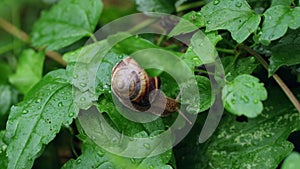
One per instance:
(138, 91)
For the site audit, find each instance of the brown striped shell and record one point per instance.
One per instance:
(132, 85)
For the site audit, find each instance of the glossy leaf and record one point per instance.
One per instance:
(5, 70)
(254, 143)
(242, 66)
(29, 70)
(8, 96)
(236, 16)
(292, 161)
(243, 96)
(66, 22)
(155, 6)
(3, 147)
(189, 22)
(201, 50)
(281, 2)
(277, 20)
(34, 122)
(94, 155)
(206, 95)
(286, 52)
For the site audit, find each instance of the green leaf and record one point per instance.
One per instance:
(8, 96)
(242, 66)
(286, 52)
(243, 96)
(6, 71)
(206, 99)
(92, 156)
(256, 143)
(281, 2)
(188, 23)
(35, 121)
(29, 70)
(277, 20)
(292, 161)
(162, 6)
(66, 22)
(3, 147)
(202, 45)
(236, 16)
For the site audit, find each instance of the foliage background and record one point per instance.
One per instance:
(258, 42)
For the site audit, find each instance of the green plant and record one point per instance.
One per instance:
(257, 42)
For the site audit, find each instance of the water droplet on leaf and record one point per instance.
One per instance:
(238, 4)
(216, 2)
(147, 146)
(25, 111)
(60, 104)
(83, 84)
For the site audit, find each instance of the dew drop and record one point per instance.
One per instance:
(60, 104)
(4, 147)
(255, 101)
(132, 160)
(25, 111)
(208, 22)
(238, 4)
(78, 161)
(71, 114)
(216, 2)
(83, 84)
(75, 76)
(245, 99)
(233, 101)
(147, 146)
(82, 99)
(151, 167)
(38, 100)
(100, 153)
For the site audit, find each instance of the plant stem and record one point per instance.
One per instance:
(229, 51)
(13, 30)
(280, 82)
(190, 6)
(8, 27)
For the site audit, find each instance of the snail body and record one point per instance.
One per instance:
(136, 90)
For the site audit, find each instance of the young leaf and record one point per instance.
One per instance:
(189, 22)
(93, 156)
(256, 143)
(243, 96)
(3, 147)
(206, 99)
(292, 161)
(281, 2)
(66, 22)
(155, 6)
(277, 20)
(8, 96)
(242, 66)
(236, 16)
(201, 50)
(29, 70)
(6, 71)
(285, 52)
(35, 121)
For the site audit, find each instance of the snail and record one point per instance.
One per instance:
(136, 90)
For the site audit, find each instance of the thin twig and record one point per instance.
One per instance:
(13, 30)
(280, 82)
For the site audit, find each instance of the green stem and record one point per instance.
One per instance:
(9, 47)
(277, 78)
(192, 5)
(232, 63)
(94, 38)
(229, 51)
